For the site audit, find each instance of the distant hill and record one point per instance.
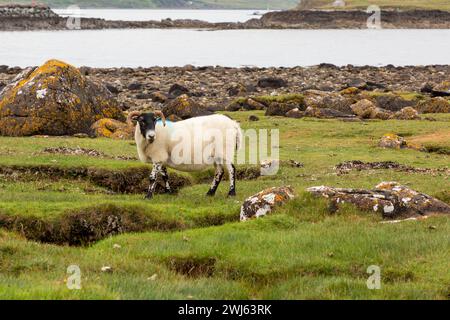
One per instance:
(194, 4)
(363, 4)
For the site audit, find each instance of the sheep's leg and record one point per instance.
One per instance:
(232, 174)
(157, 167)
(165, 177)
(217, 179)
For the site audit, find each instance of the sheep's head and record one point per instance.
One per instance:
(147, 123)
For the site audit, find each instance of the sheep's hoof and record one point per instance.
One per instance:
(148, 197)
(232, 193)
(210, 193)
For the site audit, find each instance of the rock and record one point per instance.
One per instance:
(365, 109)
(325, 113)
(441, 90)
(177, 90)
(134, 86)
(331, 100)
(110, 128)
(158, 96)
(393, 141)
(390, 199)
(237, 90)
(253, 118)
(252, 104)
(54, 99)
(265, 201)
(434, 105)
(272, 82)
(407, 113)
(81, 135)
(184, 108)
(107, 269)
(280, 109)
(295, 113)
(391, 102)
(357, 83)
(143, 96)
(112, 88)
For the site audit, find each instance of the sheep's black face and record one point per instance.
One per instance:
(147, 124)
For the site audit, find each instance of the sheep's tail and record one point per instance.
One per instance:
(239, 137)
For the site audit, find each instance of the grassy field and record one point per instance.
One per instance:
(395, 4)
(194, 247)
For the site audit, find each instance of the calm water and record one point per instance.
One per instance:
(158, 15)
(151, 47)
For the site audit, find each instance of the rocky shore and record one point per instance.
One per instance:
(28, 96)
(23, 17)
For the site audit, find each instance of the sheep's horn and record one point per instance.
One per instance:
(159, 113)
(132, 115)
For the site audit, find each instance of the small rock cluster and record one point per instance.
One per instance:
(390, 199)
(26, 11)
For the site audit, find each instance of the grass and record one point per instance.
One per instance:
(299, 252)
(388, 4)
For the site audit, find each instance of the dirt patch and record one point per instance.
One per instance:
(348, 166)
(128, 181)
(86, 226)
(193, 267)
(84, 152)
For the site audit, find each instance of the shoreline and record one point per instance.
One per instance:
(217, 87)
(21, 18)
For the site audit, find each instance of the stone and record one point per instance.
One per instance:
(441, 90)
(390, 199)
(252, 104)
(295, 113)
(54, 99)
(279, 109)
(265, 201)
(253, 118)
(407, 113)
(177, 90)
(391, 102)
(272, 82)
(112, 88)
(158, 96)
(365, 109)
(325, 113)
(392, 141)
(143, 96)
(331, 100)
(110, 128)
(237, 90)
(434, 105)
(134, 86)
(184, 108)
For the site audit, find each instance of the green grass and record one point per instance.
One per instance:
(299, 252)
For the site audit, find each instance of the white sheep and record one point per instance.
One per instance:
(189, 145)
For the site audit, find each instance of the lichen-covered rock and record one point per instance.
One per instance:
(393, 141)
(184, 108)
(365, 109)
(442, 89)
(390, 199)
(389, 101)
(263, 203)
(110, 128)
(325, 113)
(330, 100)
(434, 105)
(280, 109)
(54, 99)
(407, 113)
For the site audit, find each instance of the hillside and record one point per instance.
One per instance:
(363, 4)
(194, 4)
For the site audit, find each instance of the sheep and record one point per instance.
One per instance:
(189, 145)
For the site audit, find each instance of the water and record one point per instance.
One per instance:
(158, 15)
(234, 48)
